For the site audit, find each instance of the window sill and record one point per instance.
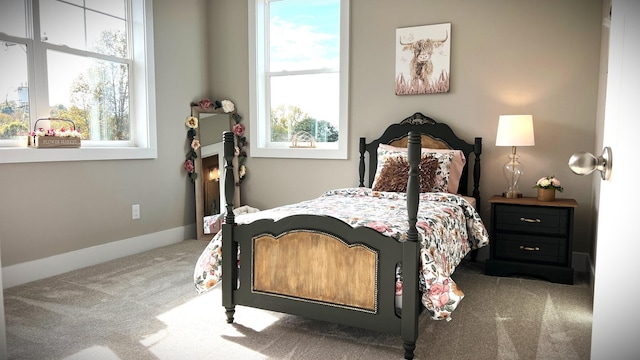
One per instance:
(31, 155)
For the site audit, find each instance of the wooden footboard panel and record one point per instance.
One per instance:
(315, 266)
(319, 267)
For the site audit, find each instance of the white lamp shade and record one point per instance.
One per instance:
(515, 130)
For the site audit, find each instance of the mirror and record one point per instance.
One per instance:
(209, 165)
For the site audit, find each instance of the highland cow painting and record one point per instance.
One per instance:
(423, 59)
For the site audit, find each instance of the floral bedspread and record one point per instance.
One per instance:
(449, 227)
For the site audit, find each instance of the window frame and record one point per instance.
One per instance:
(259, 113)
(143, 142)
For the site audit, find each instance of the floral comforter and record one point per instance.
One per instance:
(449, 227)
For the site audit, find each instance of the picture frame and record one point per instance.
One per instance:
(423, 59)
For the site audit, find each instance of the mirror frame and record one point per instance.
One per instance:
(196, 110)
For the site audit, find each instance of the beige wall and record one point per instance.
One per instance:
(507, 57)
(53, 208)
(518, 56)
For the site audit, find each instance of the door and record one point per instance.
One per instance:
(616, 314)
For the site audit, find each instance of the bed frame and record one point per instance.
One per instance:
(317, 256)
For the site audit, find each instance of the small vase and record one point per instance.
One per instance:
(546, 194)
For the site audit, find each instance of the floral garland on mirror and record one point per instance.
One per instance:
(238, 129)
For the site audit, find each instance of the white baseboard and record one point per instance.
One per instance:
(23, 273)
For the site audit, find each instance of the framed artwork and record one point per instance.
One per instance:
(423, 59)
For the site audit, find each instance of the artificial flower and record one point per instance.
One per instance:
(549, 182)
(238, 129)
(188, 166)
(242, 171)
(195, 144)
(62, 132)
(205, 103)
(227, 106)
(192, 122)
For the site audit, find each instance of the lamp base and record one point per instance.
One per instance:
(512, 171)
(511, 194)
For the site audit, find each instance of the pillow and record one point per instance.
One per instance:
(450, 171)
(441, 175)
(395, 174)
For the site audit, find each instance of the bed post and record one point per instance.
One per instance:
(363, 147)
(477, 150)
(410, 252)
(229, 247)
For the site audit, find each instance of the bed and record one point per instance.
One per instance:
(375, 256)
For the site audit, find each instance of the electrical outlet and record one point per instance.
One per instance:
(135, 211)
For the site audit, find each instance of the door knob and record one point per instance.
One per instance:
(584, 163)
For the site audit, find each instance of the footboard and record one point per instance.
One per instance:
(326, 271)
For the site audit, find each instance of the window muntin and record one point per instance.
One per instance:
(299, 57)
(127, 129)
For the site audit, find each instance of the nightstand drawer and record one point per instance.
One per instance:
(532, 219)
(530, 248)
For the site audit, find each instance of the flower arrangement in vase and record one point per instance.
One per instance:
(547, 187)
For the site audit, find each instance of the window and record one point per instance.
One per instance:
(299, 56)
(88, 61)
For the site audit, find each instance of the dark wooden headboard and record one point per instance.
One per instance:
(434, 135)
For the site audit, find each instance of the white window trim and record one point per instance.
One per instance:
(143, 105)
(257, 86)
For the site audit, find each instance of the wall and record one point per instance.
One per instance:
(507, 57)
(515, 56)
(60, 207)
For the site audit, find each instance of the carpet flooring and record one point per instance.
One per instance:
(145, 307)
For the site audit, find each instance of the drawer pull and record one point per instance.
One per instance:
(530, 220)
(529, 248)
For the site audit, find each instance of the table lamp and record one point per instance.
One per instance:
(514, 131)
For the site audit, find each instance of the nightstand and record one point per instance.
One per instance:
(531, 237)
